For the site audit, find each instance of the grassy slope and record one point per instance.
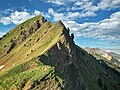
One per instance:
(18, 69)
(15, 32)
(31, 47)
(20, 74)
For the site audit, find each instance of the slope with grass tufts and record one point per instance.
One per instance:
(40, 55)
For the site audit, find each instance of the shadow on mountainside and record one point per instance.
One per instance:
(68, 71)
(109, 69)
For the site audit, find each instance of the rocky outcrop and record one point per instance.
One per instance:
(34, 27)
(11, 46)
(61, 56)
(26, 33)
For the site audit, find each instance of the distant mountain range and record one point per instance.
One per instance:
(112, 59)
(41, 55)
(113, 50)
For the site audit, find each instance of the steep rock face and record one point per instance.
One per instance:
(61, 53)
(61, 56)
(81, 71)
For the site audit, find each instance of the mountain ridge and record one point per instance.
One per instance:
(49, 59)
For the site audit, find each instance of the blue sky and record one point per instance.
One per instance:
(95, 23)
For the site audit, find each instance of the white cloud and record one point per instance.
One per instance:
(108, 4)
(5, 20)
(71, 11)
(79, 3)
(46, 15)
(105, 29)
(51, 11)
(57, 2)
(82, 9)
(17, 17)
(86, 8)
(73, 15)
(69, 15)
(102, 4)
(36, 12)
(56, 16)
(1, 34)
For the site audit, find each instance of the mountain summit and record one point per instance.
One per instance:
(40, 55)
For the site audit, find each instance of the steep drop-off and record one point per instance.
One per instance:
(48, 59)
